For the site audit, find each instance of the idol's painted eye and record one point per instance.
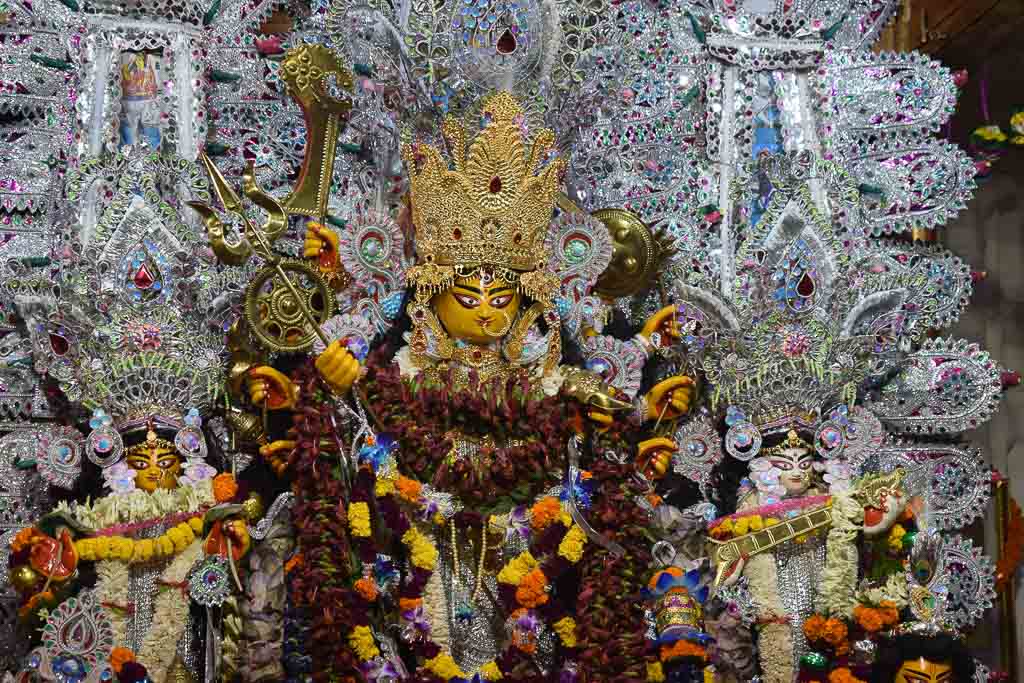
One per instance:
(805, 465)
(501, 301)
(138, 463)
(465, 300)
(782, 465)
(167, 463)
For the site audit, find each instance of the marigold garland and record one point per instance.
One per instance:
(125, 549)
(423, 554)
(655, 673)
(361, 640)
(359, 519)
(414, 413)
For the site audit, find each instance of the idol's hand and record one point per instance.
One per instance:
(270, 386)
(664, 323)
(671, 398)
(276, 453)
(338, 367)
(321, 243)
(654, 456)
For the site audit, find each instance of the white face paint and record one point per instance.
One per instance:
(883, 513)
(795, 467)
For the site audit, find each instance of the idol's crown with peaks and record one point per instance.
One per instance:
(491, 203)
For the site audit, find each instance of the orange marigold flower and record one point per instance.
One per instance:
(120, 656)
(889, 614)
(544, 511)
(834, 633)
(869, 619)
(682, 648)
(225, 487)
(409, 604)
(814, 627)
(367, 589)
(843, 675)
(532, 591)
(24, 538)
(409, 489)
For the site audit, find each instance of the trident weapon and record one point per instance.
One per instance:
(288, 301)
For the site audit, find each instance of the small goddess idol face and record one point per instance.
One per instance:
(923, 670)
(157, 466)
(478, 310)
(795, 465)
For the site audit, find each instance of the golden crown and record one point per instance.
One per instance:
(491, 204)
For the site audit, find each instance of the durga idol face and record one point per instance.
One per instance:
(478, 310)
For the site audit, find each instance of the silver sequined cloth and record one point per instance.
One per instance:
(142, 589)
(799, 568)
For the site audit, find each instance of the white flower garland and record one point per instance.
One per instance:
(435, 604)
(895, 591)
(139, 506)
(837, 595)
(170, 611)
(160, 645)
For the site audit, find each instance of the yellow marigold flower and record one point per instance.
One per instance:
(1017, 140)
(186, 531)
(179, 539)
(771, 521)
(125, 549)
(361, 640)
(86, 549)
(164, 546)
(490, 672)
(197, 525)
(104, 546)
(144, 550)
(384, 487)
(1017, 122)
(513, 572)
(443, 666)
(422, 551)
(359, 519)
(655, 672)
(741, 525)
(566, 630)
(756, 523)
(571, 547)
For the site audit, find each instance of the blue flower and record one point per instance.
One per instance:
(377, 453)
(582, 489)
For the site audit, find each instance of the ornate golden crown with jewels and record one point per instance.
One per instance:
(491, 203)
